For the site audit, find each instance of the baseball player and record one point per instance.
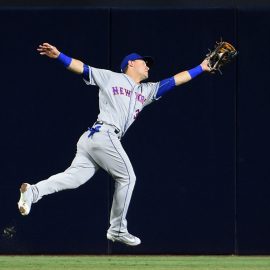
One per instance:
(122, 96)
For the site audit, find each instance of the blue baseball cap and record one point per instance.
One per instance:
(134, 56)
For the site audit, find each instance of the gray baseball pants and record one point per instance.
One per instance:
(102, 150)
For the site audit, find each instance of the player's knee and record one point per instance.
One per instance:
(74, 177)
(128, 179)
(132, 179)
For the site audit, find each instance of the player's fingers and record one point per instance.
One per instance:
(44, 49)
(46, 44)
(47, 54)
(40, 47)
(49, 48)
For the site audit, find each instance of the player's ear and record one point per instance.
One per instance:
(130, 63)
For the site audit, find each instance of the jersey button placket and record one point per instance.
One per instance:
(130, 107)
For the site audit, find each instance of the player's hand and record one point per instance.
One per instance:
(49, 50)
(205, 65)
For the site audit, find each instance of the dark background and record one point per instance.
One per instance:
(200, 153)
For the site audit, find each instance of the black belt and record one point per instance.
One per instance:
(116, 131)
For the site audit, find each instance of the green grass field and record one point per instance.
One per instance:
(135, 262)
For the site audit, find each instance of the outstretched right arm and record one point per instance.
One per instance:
(71, 64)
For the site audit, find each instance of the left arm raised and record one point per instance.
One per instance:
(186, 76)
(181, 78)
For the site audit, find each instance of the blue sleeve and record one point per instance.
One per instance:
(85, 72)
(165, 86)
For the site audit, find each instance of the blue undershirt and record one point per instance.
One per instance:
(85, 72)
(165, 86)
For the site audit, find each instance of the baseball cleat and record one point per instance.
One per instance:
(26, 199)
(127, 239)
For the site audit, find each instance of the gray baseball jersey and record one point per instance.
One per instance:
(120, 98)
(120, 101)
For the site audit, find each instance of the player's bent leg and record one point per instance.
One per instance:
(81, 170)
(72, 178)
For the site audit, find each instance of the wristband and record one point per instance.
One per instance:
(64, 59)
(194, 72)
(86, 72)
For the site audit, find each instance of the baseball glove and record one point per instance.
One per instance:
(222, 54)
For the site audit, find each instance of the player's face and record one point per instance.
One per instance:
(141, 68)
